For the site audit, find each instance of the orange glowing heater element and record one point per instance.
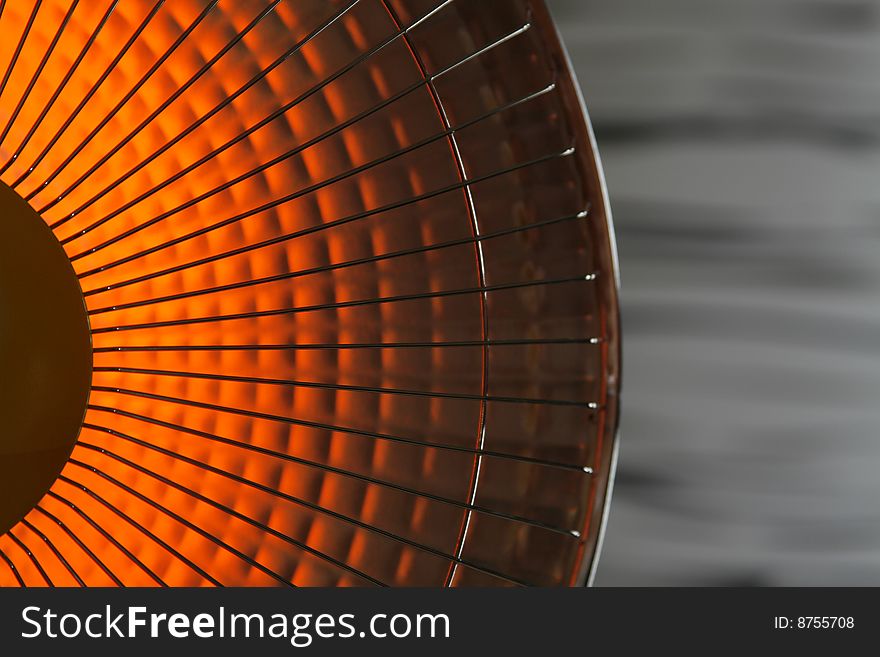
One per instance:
(349, 278)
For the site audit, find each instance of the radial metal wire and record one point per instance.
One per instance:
(351, 285)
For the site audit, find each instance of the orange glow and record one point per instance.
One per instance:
(257, 416)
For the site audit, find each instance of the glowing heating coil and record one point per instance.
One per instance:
(350, 286)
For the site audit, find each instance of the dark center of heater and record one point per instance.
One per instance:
(45, 358)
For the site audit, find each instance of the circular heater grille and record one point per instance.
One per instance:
(351, 288)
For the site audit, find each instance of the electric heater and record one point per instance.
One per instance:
(300, 292)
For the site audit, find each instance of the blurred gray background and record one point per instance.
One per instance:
(741, 141)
